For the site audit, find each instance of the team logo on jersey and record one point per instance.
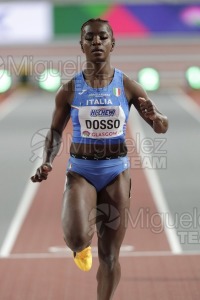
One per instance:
(117, 91)
(102, 112)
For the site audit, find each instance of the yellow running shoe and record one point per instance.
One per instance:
(83, 259)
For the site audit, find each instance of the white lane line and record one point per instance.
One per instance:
(156, 189)
(12, 102)
(68, 255)
(187, 103)
(65, 249)
(20, 215)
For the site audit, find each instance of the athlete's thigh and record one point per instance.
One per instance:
(79, 203)
(112, 209)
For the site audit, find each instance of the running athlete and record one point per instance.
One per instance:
(97, 100)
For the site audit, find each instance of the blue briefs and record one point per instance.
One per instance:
(98, 172)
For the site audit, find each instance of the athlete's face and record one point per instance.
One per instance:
(97, 42)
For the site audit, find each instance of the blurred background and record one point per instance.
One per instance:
(157, 44)
(39, 36)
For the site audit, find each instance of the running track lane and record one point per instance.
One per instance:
(4, 96)
(31, 272)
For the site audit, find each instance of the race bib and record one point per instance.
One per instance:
(101, 121)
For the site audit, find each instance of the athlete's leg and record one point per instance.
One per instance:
(112, 208)
(79, 202)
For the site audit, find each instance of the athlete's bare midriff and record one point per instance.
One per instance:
(99, 150)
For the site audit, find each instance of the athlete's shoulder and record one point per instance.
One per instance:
(132, 88)
(69, 86)
(65, 94)
(126, 79)
(118, 72)
(132, 84)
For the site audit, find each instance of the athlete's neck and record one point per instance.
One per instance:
(100, 71)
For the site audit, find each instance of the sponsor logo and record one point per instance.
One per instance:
(102, 112)
(104, 134)
(83, 91)
(85, 133)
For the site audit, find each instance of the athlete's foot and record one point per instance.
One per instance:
(83, 259)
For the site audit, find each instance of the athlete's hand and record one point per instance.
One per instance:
(148, 109)
(42, 173)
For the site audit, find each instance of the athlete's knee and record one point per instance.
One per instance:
(76, 241)
(76, 237)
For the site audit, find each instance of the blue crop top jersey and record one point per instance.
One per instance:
(99, 115)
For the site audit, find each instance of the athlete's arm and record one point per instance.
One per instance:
(145, 106)
(53, 139)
